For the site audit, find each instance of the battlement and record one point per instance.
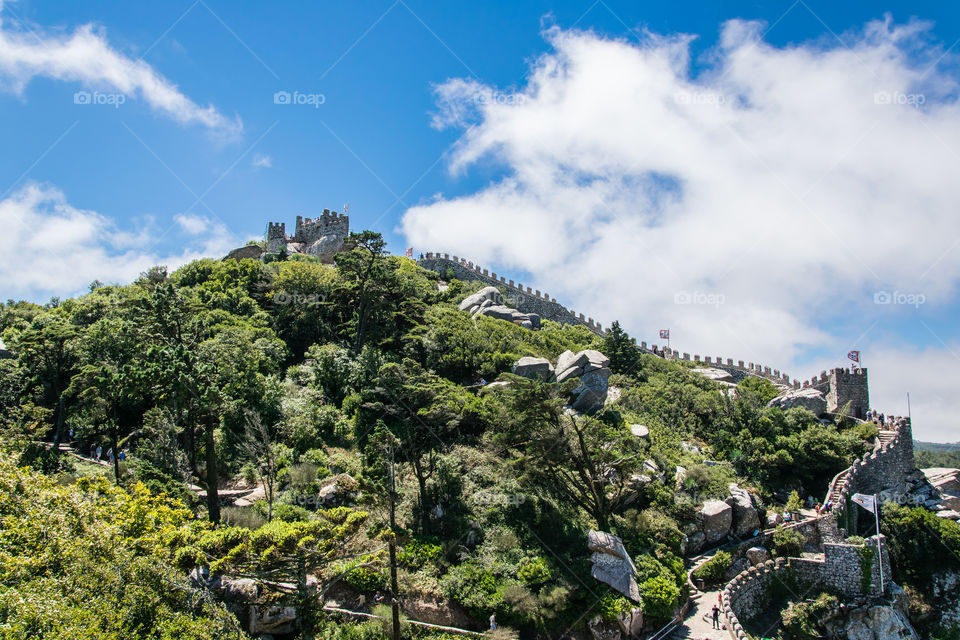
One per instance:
(525, 298)
(321, 236)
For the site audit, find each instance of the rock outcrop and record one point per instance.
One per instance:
(716, 517)
(339, 490)
(878, 623)
(757, 555)
(808, 398)
(251, 251)
(489, 302)
(715, 374)
(533, 368)
(612, 563)
(745, 517)
(592, 367)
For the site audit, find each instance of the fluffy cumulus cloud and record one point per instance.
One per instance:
(739, 200)
(85, 57)
(50, 247)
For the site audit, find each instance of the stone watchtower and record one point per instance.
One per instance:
(840, 386)
(276, 236)
(849, 385)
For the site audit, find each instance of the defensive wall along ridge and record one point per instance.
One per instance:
(530, 300)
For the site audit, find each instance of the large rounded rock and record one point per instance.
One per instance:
(487, 293)
(746, 520)
(808, 398)
(640, 431)
(757, 555)
(592, 392)
(716, 517)
(533, 368)
(719, 375)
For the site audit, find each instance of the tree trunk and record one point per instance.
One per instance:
(213, 500)
(394, 586)
(422, 495)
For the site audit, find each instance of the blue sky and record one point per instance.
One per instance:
(523, 136)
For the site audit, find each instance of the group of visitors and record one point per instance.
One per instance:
(890, 422)
(96, 452)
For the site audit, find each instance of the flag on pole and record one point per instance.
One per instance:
(867, 502)
(854, 355)
(665, 334)
(409, 252)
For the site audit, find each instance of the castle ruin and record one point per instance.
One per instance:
(321, 237)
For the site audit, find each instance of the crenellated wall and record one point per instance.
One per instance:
(840, 386)
(330, 224)
(525, 299)
(884, 468)
(840, 571)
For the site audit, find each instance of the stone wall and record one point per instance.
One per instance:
(330, 223)
(308, 230)
(729, 364)
(884, 468)
(840, 386)
(525, 299)
(840, 571)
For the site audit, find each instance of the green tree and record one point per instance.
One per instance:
(581, 460)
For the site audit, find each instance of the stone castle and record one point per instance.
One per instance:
(321, 237)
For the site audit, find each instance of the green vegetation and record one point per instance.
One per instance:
(804, 620)
(921, 546)
(713, 569)
(348, 392)
(787, 543)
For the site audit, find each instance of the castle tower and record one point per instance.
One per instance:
(276, 236)
(848, 385)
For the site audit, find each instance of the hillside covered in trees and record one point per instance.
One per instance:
(372, 418)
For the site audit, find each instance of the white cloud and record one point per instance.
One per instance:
(192, 224)
(261, 161)
(85, 57)
(788, 183)
(50, 247)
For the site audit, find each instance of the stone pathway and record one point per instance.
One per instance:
(698, 625)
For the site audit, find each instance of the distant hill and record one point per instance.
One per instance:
(936, 454)
(936, 446)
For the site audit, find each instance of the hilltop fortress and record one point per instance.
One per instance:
(320, 237)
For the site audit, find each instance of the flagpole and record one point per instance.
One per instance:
(876, 512)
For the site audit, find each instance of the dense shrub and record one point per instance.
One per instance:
(787, 543)
(713, 569)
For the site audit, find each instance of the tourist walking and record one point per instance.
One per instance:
(99, 452)
(493, 622)
(716, 617)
